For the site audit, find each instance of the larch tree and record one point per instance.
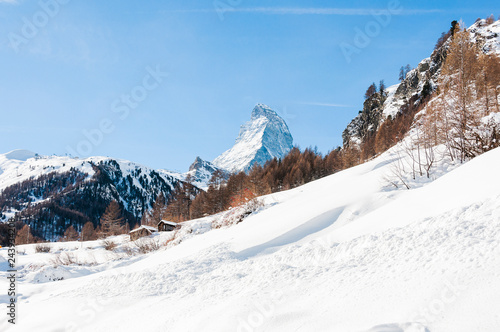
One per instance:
(112, 221)
(488, 86)
(490, 19)
(467, 92)
(459, 75)
(217, 195)
(372, 89)
(153, 217)
(198, 206)
(180, 200)
(70, 234)
(403, 71)
(256, 183)
(24, 235)
(88, 232)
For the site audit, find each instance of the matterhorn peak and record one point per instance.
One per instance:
(261, 110)
(264, 137)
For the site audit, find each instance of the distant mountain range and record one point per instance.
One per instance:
(264, 137)
(53, 192)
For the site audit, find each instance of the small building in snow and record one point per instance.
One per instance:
(167, 226)
(142, 231)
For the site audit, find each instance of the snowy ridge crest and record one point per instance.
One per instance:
(264, 137)
(83, 187)
(485, 36)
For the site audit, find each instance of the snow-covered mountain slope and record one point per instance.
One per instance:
(264, 137)
(201, 170)
(199, 174)
(486, 36)
(12, 160)
(343, 253)
(418, 83)
(20, 165)
(80, 187)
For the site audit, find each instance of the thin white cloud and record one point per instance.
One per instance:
(309, 11)
(8, 1)
(323, 104)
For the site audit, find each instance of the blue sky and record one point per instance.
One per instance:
(197, 68)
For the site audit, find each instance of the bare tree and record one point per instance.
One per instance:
(397, 173)
(70, 234)
(458, 80)
(88, 232)
(112, 221)
(372, 89)
(153, 217)
(24, 235)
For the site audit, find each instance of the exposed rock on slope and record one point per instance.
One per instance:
(418, 84)
(52, 193)
(264, 137)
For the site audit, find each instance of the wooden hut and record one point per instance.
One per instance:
(142, 231)
(167, 226)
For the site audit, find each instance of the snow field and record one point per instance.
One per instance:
(344, 253)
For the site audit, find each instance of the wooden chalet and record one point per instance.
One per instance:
(142, 231)
(167, 226)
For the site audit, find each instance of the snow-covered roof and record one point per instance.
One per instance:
(171, 223)
(149, 228)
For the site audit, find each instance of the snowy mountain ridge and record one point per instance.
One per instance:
(25, 175)
(199, 174)
(20, 165)
(80, 187)
(351, 252)
(425, 75)
(486, 36)
(347, 253)
(264, 137)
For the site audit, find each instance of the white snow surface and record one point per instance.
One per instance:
(150, 228)
(264, 137)
(392, 104)
(20, 165)
(343, 253)
(21, 155)
(489, 36)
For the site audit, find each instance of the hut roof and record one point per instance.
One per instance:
(149, 228)
(171, 223)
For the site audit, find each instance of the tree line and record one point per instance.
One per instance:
(295, 169)
(112, 222)
(467, 93)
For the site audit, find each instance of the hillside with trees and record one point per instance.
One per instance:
(51, 203)
(450, 98)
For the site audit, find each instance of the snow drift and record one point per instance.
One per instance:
(344, 253)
